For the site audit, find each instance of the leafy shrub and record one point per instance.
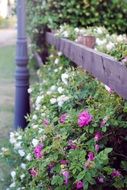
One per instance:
(76, 137)
(109, 13)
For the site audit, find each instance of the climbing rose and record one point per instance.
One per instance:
(101, 179)
(66, 176)
(116, 173)
(33, 172)
(46, 122)
(84, 118)
(63, 118)
(79, 184)
(38, 151)
(97, 147)
(91, 156)
(97, 136)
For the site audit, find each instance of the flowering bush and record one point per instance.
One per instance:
(76, 136)
(112, 44)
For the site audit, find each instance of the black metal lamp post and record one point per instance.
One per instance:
(22, 107)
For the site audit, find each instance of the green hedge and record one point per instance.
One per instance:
(82, 13)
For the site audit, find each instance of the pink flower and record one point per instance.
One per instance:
(66, 176)
(71, 145)
(63, 118)
(97, 147)
(116, 173)
(64, 162)
(38, 151)
(46, 122)
(33, 172)
(91, 156)
(97, 136)
(101, 179)
(104, 121)
(84, 118)
(79, 185)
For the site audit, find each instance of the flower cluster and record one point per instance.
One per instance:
(76, 136)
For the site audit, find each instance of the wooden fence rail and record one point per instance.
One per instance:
(103, 67)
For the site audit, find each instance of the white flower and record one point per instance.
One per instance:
(99, 42)
(22, 176)
(59, 53)
(38, 107)
(35, 126)
(110, 46)
(35, 142)
(13, 174)
(19, 137)
(12, 185)
(76, 30)
(55, 70)
(108, 88)
(41, 130)
(61, 99)
(56, 61)
(53, 100)
(29, 90)
(43, 114)
(34, 117)
(64, 78)
(28, 157)
(120, 38)
(51, 56)
(53, 88)
(60, 90)
(39, 99)
(13, 139)
(65, 34)
(21, 152)
(17, 145)
(49, 92)
(60, 68)
(23, 166)
(99, 30)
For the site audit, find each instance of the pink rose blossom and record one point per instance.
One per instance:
(63, 118)
(101, 179)
(97, 147)
(97, 136)
(71, 145)
(33, 172)
(84, 118)
(91, 156)
(104, 121)
(116, 173)
(46, 122)
(64, 162)
(66, 176)
(38, 151)
(79, 185)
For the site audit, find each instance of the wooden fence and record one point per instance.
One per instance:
(103, 67)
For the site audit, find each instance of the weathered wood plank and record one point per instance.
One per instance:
(103, 67)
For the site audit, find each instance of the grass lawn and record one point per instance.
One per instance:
(7, 67)
(7, 91)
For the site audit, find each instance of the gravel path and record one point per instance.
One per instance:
(7, 37)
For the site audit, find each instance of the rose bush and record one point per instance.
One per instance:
(76, 136)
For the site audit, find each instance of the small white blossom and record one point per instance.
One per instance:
(41, 130)
(64, 78)
(21, 152)
(56, 61)
(23, 166)
(29, 90)
(53, 88)
(76, 30)
(110, 46)
(43, 114)
(55, 70)
(12, 185)
(39, 99)
(61, 99)
(65, 34)
(34, 117)
(17, 145)
(13, 174)
(59, 53)
(53, 100)
(35, 126)
(35, 142)
(49, 92)
(99, 31)
(29, 157)
(60, 90)
(22, 176)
